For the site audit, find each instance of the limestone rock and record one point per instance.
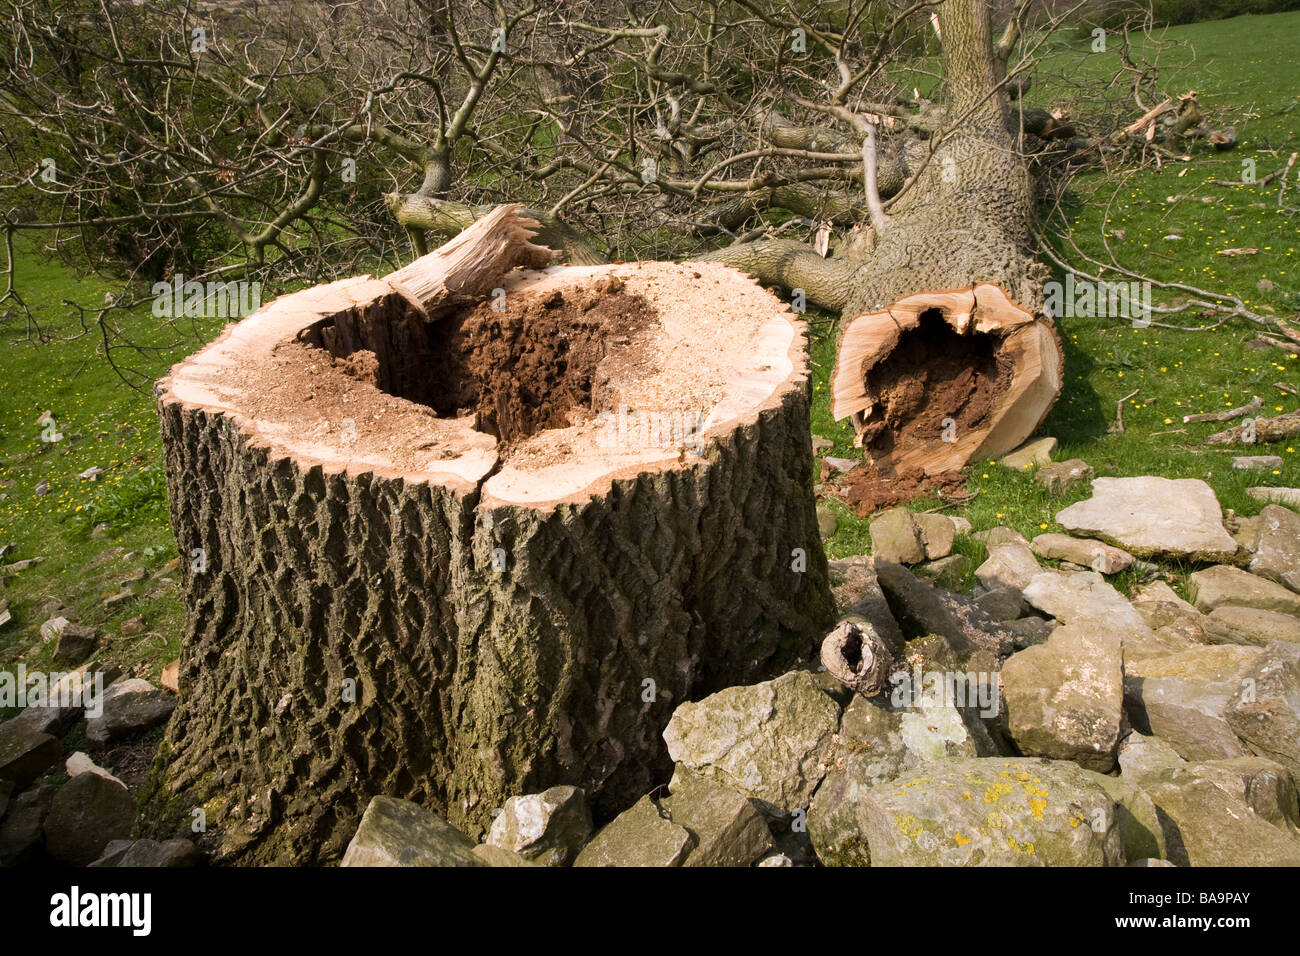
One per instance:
(1277, 546)
(1097, 555)
(76, 642)
(1208, 827)
(22, 831)
(129, 706)
(1265, 709)
(1064, 698)
(548, 827)
(1062, 476)
(1223, 586)
(1002, 603)
(768, 741)
(895, 536)
(497, 856)
(1008, 565)
(937, 535)
(1251, 625)
(1256, 462)
(1142, 758)
(399, 833)
(1085, 597)
(25, 753)
(992, 811)
(921, 609)
(1184, 699)
(1153, 517)
(640, 836)
(1029, 631)
(1264, 785)
(1283, 496)
(1036, 452)
(80, 763)
(86, 814)
(1139, 823)
(726, 828)
(156, 853)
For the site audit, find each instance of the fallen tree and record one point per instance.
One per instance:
(473, 530)
(944, 351)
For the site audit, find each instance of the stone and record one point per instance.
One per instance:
(1142, 758)
(76, 643)
(1064, 698)
(112, 854)
(114, 601)
(130, 706)
(640, 836)
(81, 763)
(1277, 546)
(497, 856)
(1058, 477)
(22, 831)
(1000, 535)
(937, 535)
(1152, 517)
(53, 627)
(776, 859)
(820, 444)
(989, 811)
(87, 813)
(1223, 586)
(768, 741)
(1180, 626)
(548, 828)
(1160, 591)
(827, 523)
(1256, 462)
(895, 536)
(1251, 625)
(726, 828)
(1029, 631)
(921, 609)
(400, 833)
(1282, 496)
(1265, 709)
(944, 569)
(1138, 819)
(152, 853)
(1184, 699)
(1084, 597)
(1036, 452)
(63, 702)
(6, 791)
(1008, 565)
(1097, 555)
(170, 677)
(26, 753)
(1001, 603)
(1208, 827)
(1264, 785)
(132, 626)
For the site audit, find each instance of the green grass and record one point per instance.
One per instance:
(1235, 66)
(1240, 68)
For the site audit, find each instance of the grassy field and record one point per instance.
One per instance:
(1169, 223)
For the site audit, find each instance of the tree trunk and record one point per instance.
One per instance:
(442, 553)
(945, 352)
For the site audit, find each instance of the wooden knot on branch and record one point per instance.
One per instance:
(855, 655)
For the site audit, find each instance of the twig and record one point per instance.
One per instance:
(1254, 405)
(1286, 388)
(1281, 192)
(1119, 411)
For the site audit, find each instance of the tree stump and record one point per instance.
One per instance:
(470, 531)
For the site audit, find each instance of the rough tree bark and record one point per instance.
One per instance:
(385, 599)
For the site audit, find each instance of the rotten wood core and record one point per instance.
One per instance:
(939, 378)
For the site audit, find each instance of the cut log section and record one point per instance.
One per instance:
(465, 533)
(940, 378)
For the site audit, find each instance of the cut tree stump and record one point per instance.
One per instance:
(470, 531)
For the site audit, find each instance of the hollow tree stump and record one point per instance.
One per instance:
(468, 532)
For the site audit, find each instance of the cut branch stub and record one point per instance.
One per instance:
(939, 378)
(463, 559)
(857, 657)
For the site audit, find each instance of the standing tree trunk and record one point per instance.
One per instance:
(467, 532)
(944, 351)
